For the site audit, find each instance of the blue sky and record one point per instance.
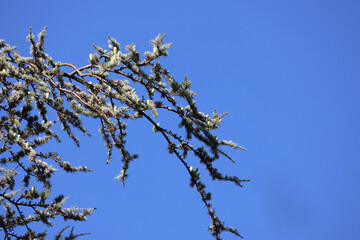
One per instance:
(286, 71)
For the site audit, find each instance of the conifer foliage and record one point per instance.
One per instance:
(32, 87)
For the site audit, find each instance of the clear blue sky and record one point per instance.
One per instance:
(286, 71)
